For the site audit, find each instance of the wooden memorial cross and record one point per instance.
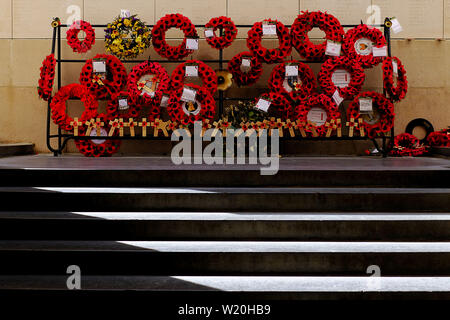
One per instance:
(217, 125)
(98, 126)
(132, 124)
(339, 127)
(121, 127)
(252, 128)
(352, 124)
(290, 125)
(224, 126)
(361, 127)
(205, 126)
(331, 126)
(301, 125)
(90, 124)
(280, 125)
(312, 127)
(114, 125)
(75, 124)
(144, 124)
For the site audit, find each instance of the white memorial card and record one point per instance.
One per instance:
(292, 70)
(365, 105)
(246, 64)
(99, 66)
(192, 43)
(337, 98)
(189, 94)
(333, 49)
(269, 29)
(192, 71)
(380, 52)
(263, 105)
(124, 13)
(396, 26)
(165, 101)
(341, 78)
(123, 103)
(209, 33)
(395, 67)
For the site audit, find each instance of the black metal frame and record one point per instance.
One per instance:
(63, 139)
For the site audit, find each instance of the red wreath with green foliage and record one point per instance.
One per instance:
(58, 105)
(73, 40)
(134, 87)
(205, 72)
(45, 83)
(396, 93)
(159, 36)
(91, 149)
(245, 78)
(301, 91)
(229, 32)
(304, 23)
(115, 81)
(280, 107)
(319, 100)
(407, 145)
(254, 40)
(204, 97)
(357, 77)
(364, 31)
(384, 107)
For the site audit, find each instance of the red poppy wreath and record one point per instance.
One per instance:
(438, 139)
(73, 40)
(229, 32)
(114, 82)
(280, 107)
(359, 43)
(304, 23)
(58, 105)
(341, 74)
(147, 82)
(187, 112)
(407, 145)
(396, 93)
(383, 116)
(116, 110)
(296, 88)
(159, 36)
(205, 72)
(45, 83)
(318, 105)
(269, 55)
(249, 77)
(97, 147)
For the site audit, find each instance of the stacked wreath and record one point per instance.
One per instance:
(115, 81)
(204, 97)
(359, 32)
(279, 106)
(301, 90)
(438, 139)
(319, 100)
(357, 77)
(117, 41)
(205, 72)
(384, 107)
(396, 93)
(229, 32)
(407, 145)
(45, 83)
(134, 87)
(58, 105)
(159, 36)
(73, 40)
(245, 78)
(269, 55)
(304, 23)
(90, 148)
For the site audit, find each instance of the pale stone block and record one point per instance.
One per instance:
(5, 58)
(251, 11)
(447, 18)
(419, 18)
(32, 19)
(198, 11)
(5, 19)
(347, 11)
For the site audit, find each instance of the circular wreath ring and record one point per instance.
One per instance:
(91, 149)
(45, 83)
(359, 32)
(396, 93)
(319, 100)
(115, 81)
(438, 139)
(245, 78)
(408, 145)
(304, 23)
(269, 55)
(159, 36)
(147, 68)
(306, 75)
(280, 107)
(73, 40)
(204, 97)
(58, 105)
(423, 123)
(205, 72)
(229, 32)
(357, 77)
(126, 38)
(384, 107)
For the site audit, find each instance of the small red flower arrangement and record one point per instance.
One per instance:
(73, 40)
(396, 93)
(407, 145)
(45, 83)
(245, 78)
(205, 72)
(280, 107)
(229, 32)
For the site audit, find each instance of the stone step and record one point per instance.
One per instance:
(233, 199)
(357, 226)
(161, 172)
(225, 258)
(16, 149)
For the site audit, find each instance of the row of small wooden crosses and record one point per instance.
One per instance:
(248, 128)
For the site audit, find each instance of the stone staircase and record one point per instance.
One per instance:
(155, 230)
